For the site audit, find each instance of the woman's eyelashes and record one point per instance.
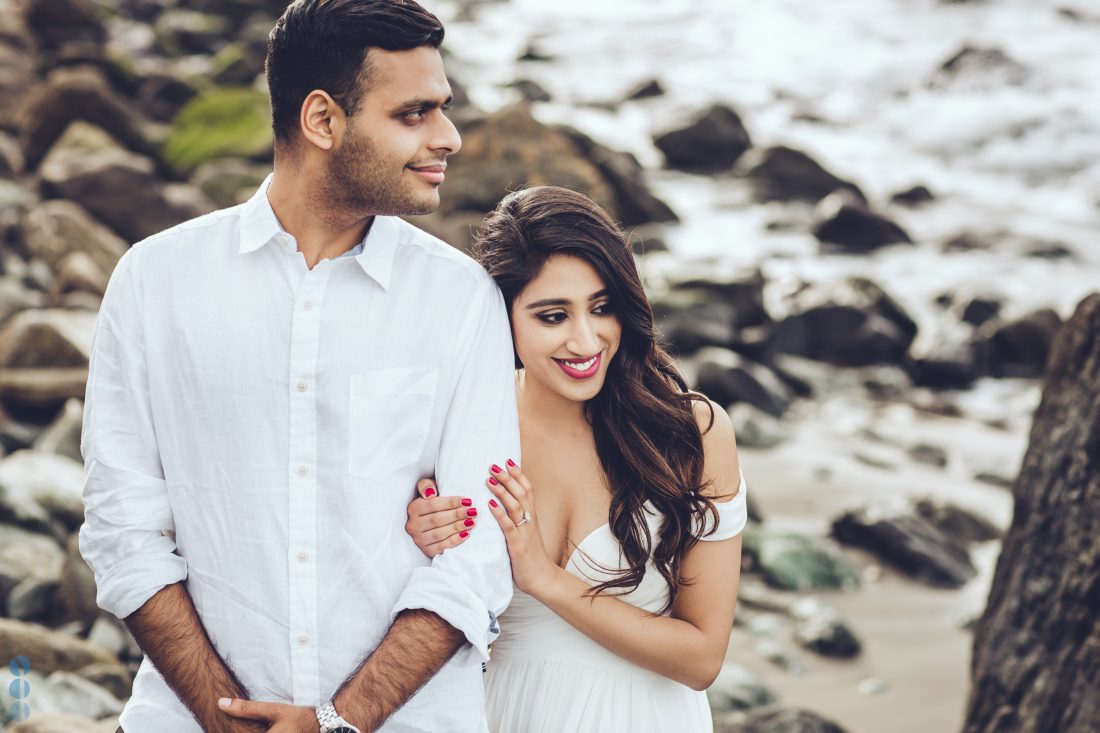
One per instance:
(553, 318)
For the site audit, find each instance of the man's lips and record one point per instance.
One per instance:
(430, 173)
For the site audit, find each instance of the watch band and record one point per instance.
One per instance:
(330, 720)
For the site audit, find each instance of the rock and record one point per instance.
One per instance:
(727, 377)
(822, 630)
(711, 143)
(755, 428)
(162, 93)
(1019, 348)
(647, 240)
(36, 488)
(229, 181)
(633, 202)
(798, 562)
(852, 323)
(63, 723)
(780, 655)
(63, 435)
(181, 32)
(26, 555)
(71, 94)
(33, 600)
(945, 364)
(959, 524)
(111, 678)
(111, 634)
(55, 229)
(79, 273)
(978, 310)
(11, 157)
(846, 225)
(775, 721)
(35, 395)
(15, 435)
(226, 122)
(645, 90)
(18, 70)
(784, 174)
(58, 22)
(1035, 663)
(47, 338)
(872, 686)
(909, 543)
(76, 593)
(530, 91)
(974, 68)
(534, 53)
(457, 229)
(743, 291)
(74, 694)
(736, 688)
(15, 296)
(994, 479)
(48, 650)
(931, 455)
(509, 149)
(915, 196)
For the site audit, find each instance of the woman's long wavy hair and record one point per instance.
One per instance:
(643, 420)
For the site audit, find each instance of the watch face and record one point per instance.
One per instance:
(344, 729)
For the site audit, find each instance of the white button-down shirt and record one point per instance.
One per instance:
(257, 428)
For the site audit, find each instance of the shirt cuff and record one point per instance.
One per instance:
(130, 584)
(431, 589)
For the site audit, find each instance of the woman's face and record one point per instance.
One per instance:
(565, 328)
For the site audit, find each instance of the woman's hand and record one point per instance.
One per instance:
(437, 523)
(514, 509)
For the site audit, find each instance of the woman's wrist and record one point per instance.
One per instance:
(553, 587)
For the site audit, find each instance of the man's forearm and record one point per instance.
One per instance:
(417, 645)
(169, 630)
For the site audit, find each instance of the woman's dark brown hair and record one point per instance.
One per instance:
(643, 420)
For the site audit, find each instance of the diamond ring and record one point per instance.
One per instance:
(524, 519)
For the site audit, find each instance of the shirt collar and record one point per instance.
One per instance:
(260, 226)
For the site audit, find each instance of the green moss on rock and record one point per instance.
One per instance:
(222, 122)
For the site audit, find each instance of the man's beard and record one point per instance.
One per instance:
(361, 181)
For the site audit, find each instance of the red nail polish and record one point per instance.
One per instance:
(493, 503)
(469, 523)
(429, 492)
(496, 468)
(471, 512)
(463, 534)
(511, 463)
(467, 502)
(493, 481)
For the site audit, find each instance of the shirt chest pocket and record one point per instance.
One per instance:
(390, 415)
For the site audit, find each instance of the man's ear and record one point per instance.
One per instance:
(322, 120)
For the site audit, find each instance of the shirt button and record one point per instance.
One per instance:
(303, 556)
(307, 306)
(303, 640)
(303, 470)
(301, 386)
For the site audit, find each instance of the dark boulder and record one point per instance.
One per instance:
(55, 23)
(645, 90)
(978, 310)
(530, 91)
(1036, 663)
(909, 543)
(914, 196)
(975, 68)
(785, 174)
(711, 143)
(847, 225)
(1018, 348)
(774, 721)
(961, 525)
(853, 323)
(728, 378)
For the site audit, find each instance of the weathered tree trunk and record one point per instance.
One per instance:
(1036, 664)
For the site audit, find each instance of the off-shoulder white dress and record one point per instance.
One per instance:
(546, 677)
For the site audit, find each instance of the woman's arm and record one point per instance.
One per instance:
(688, 646)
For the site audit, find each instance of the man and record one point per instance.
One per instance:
(267, 384)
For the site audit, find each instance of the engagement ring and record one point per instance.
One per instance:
(524, 519)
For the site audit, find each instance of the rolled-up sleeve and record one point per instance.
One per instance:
(468, 586)
(126, 507)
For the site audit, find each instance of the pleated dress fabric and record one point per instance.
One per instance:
(547, 677)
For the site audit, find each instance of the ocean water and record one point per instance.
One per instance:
(1012, 153)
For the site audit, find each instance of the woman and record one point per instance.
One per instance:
(621, 616)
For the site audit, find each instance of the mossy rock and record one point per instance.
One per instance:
(793, 561)
(219, 123)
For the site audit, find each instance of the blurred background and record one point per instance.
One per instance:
(861, 224)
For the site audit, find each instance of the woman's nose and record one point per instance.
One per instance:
(584, 340)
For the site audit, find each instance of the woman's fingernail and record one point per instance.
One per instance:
(493, 503)
(463, 534)
(493, 481)
(496, 468)
(469, 523)
(471, 512)
(467, 502)
(511, 463)
(223, 701)
(429, 492)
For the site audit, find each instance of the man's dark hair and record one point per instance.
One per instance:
(321, 44)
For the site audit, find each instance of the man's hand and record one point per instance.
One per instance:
(280, 718)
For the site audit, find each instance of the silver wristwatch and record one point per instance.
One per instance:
(331, 722)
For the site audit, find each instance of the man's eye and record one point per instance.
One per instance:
(415, 116)
(557, 317)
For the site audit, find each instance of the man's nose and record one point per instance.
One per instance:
(446, 139)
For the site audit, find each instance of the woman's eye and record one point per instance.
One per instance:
(557, 317)
(603, 309)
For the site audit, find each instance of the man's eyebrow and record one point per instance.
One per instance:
(424, 104)
(563, 301)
